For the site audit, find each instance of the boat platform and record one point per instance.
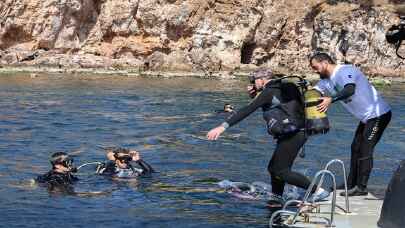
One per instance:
(364, 213)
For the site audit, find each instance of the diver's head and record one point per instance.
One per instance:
(259, 78)
(228, 108)
(121, 156)
(322, 64)
(61, 162)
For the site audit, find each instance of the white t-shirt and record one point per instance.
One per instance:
(365, 103)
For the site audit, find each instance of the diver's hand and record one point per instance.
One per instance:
(135, 155)
(213, 134)
(324, 105)
(73, 170)
(110, 156)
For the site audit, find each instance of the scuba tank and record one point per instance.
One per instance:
(316, 122)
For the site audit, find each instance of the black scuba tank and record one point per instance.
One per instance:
(316, 122)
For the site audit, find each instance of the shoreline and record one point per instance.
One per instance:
(33, 72)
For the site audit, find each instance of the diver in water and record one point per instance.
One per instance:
(119, 164)
(227, 111)
(283, 111)
(228, 108)
(60, 177)
(349, 86)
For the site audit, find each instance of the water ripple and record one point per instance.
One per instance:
(166, 120)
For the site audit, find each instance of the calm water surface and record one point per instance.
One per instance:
(166, 120)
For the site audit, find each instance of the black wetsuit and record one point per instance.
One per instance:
(58, 182)
(109, 168)
(224, 115)
(366, 137)
(288, 96)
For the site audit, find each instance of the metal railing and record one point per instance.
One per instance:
(307, 201)
(344, 180)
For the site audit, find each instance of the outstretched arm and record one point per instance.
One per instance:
(263, 98)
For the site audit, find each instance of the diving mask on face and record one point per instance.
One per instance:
(62, 158)
(228, 108)
(124, 158)
(68, 162)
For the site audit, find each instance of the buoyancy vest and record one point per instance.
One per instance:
(285, 116)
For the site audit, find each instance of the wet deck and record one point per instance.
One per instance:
(365, 212)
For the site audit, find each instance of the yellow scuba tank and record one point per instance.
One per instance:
(316, 122)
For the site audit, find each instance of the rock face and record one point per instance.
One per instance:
(197, 35)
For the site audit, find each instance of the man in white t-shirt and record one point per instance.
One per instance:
(349, 86)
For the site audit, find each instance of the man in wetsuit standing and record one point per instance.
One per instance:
(283, 111)
(347, 84)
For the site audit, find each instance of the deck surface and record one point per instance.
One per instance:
(365, 212)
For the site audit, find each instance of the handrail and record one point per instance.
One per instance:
(319, 177)
(273, 216)
(307, 194)
(344, 180)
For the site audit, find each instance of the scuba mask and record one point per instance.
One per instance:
(123, 159)
(126, 158)
(61, 158)
(263, 74)
(68, 163)
(228, 108)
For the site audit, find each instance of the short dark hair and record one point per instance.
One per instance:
(121, 150)
(320, 57)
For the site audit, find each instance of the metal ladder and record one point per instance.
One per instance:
(306, 201)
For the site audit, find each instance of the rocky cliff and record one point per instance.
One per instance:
(197, 35)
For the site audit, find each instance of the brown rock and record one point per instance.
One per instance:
(197, 35)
